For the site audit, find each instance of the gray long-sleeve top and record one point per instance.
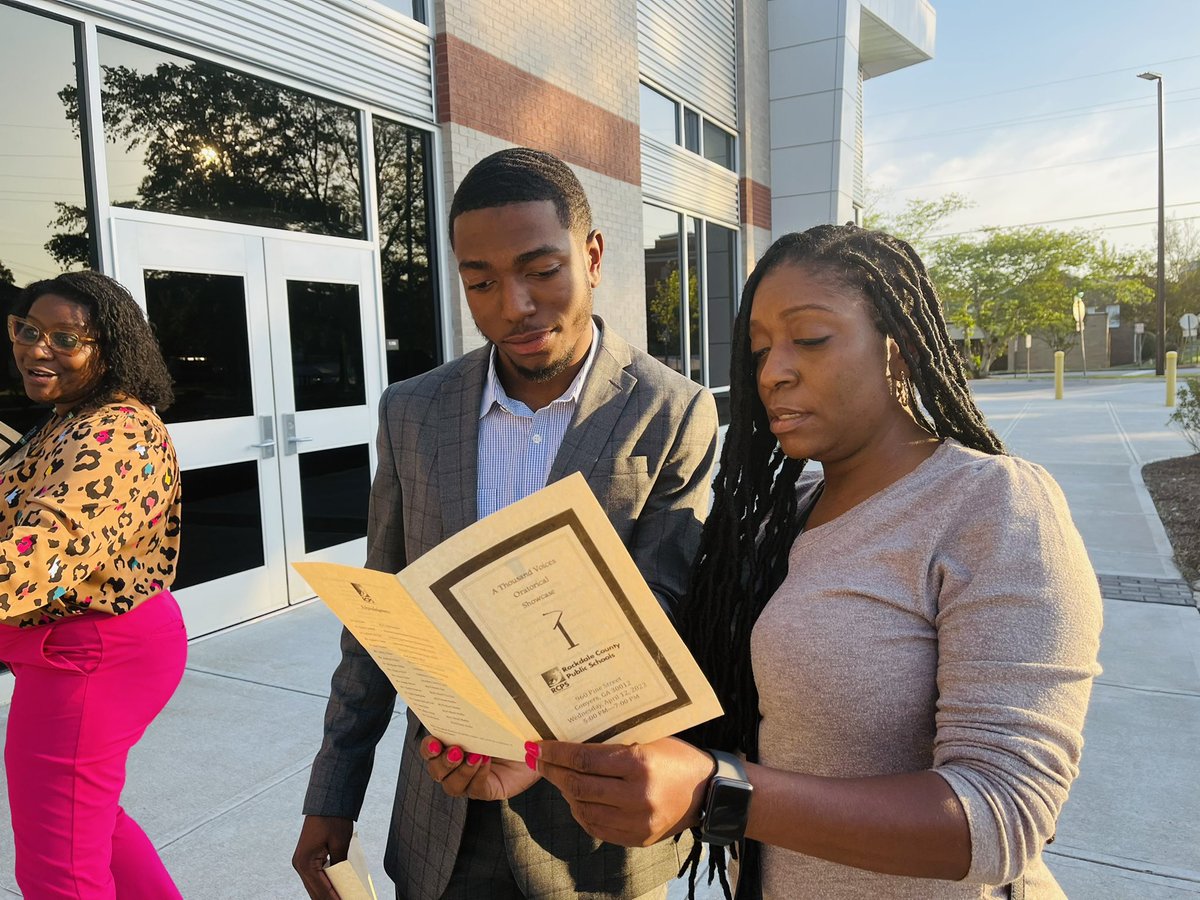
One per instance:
(950, 622)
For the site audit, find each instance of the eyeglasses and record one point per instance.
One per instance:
(68, 343)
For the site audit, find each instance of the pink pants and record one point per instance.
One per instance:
(85, 689)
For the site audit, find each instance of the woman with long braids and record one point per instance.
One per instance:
(89, 532)
(904, 644)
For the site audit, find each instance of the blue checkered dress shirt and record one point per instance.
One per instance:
(517, 446)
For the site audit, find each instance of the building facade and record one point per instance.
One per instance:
(270, 178)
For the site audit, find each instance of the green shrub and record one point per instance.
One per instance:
(1187, 412)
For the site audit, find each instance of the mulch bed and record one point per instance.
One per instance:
(1175, 486)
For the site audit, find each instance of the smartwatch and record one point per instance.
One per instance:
(727, 804)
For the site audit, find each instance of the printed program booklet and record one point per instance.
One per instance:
(532, 624)
(351, 878)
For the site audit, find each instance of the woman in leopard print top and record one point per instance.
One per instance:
(89, 536)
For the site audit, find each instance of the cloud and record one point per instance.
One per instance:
(1038, 172)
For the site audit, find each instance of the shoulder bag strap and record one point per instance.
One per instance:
(25, 438)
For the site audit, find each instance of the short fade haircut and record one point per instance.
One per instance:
(523, 175)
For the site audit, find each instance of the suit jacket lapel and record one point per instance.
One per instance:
(601, 403)
(458, 442)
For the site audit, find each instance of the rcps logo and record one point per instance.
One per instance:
(362, 592)
(555, 679)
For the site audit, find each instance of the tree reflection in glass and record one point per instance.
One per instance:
(193, 138)
(664, 293)
(41, 176)
(409, 300)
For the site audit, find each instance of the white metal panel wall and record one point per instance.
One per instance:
(689, 47)
(341, 45)
(681, 179)
(860, 184)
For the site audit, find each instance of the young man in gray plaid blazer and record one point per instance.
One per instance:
(554, 392)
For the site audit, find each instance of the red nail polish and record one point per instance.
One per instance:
(454, 754)
(533, 749)
(531, 761)
(435, 747)
(474, 759)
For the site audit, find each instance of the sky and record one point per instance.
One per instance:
(1033, 110)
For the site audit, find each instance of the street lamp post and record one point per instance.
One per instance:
(1160, 347)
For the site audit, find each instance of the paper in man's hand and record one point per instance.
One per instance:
(351, 878)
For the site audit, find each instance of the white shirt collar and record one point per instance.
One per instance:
(493, 390)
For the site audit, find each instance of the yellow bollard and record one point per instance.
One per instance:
(1059, 362)
(1172, 359)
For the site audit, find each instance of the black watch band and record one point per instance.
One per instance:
(727, 803)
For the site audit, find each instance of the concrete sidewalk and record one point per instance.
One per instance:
(218, 780)
(1131, 828)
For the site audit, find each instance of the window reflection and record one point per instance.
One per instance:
(43, 207)
(414, 9)
(724, 412)
(693, 303)
(222, 531)
(718, 145)
(44, 216)
(45, 225)
(192, 138)
(659, 116)
(327, 348)
(664, 308)
(334, 487)
(200, 322)
(691, 130)
(720, 274)
(410, 309)
(711, 260)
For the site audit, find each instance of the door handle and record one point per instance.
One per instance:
(289, 429)
(266, 425)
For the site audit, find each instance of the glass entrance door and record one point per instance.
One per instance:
(327, 375)
(274, 347)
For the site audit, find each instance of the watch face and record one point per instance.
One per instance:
(727, 810)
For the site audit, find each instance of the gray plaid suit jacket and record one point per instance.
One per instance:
(645, 438)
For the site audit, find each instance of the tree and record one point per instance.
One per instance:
(1182, 251)
(1007, 283)
(1050, 309)
(663, 311)
(220, 144)
(409, 310)
(916, 220)
(8, 285)
(1000, 283)
(1186, 416)
(71, 244)
(1118, 279)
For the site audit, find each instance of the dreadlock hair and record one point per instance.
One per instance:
(523, 175)
(131, 362)
(754, 520)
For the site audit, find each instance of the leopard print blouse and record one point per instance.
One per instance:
(89, 516)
